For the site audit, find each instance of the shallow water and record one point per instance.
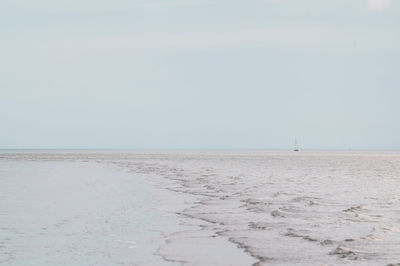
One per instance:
(73, 213)
(326, 208)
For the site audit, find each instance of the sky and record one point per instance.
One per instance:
(200, 74)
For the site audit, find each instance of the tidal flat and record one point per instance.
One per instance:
(199, 208)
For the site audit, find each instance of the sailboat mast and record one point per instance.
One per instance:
(296, 146)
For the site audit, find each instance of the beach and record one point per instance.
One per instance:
(199, 208)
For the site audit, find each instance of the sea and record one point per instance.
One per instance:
(122, 207)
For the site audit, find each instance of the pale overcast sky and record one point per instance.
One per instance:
(200, 74)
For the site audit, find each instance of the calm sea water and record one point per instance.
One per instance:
(75, 213)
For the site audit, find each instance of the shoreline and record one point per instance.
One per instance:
(171, 237)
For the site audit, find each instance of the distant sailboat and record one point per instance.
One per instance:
(296, 146)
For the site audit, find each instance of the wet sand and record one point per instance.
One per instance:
(210, 208)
